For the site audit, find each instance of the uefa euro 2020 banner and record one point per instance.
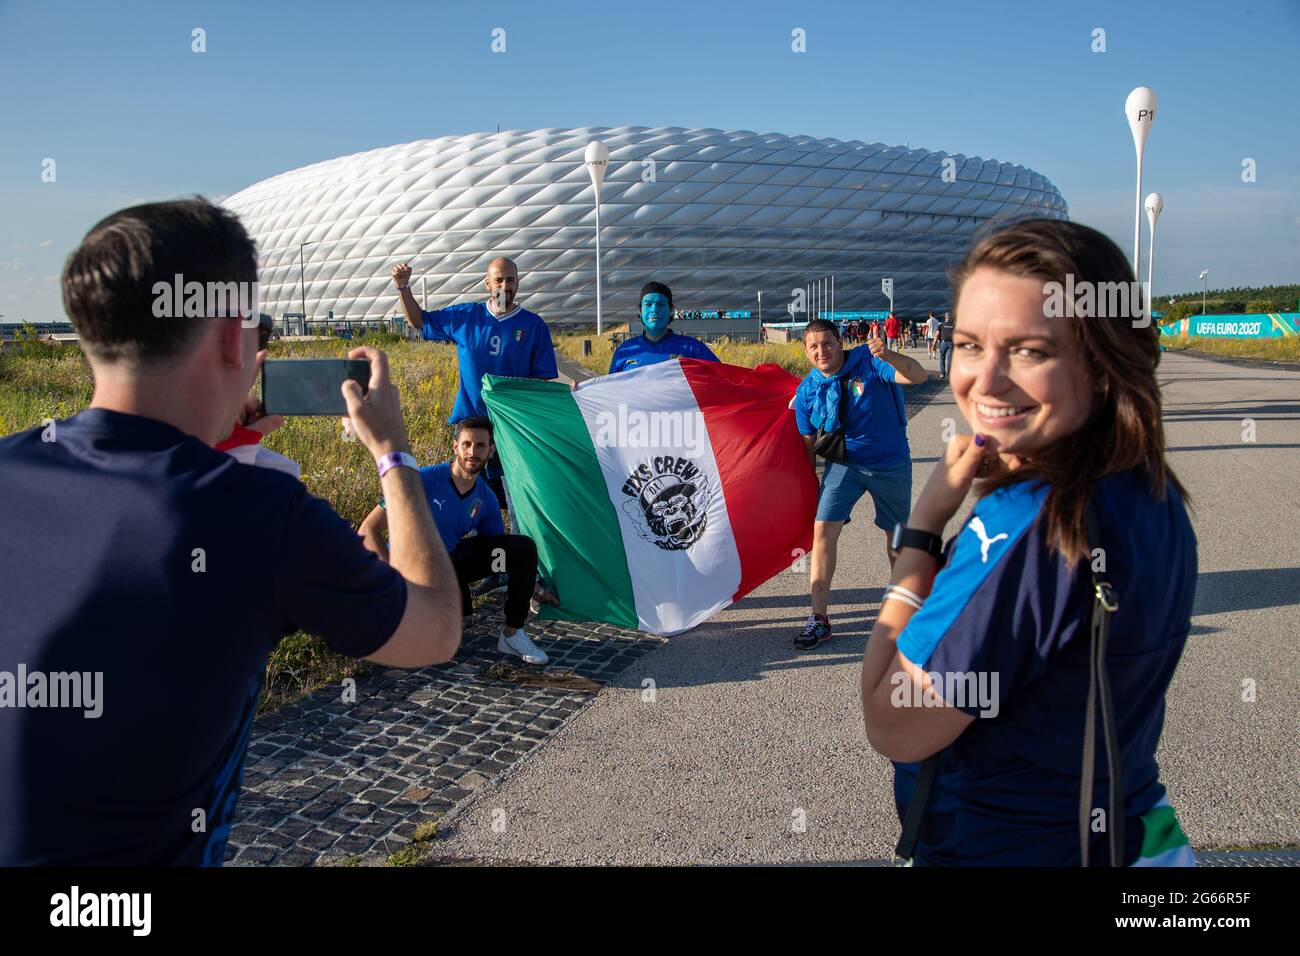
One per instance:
(657, 496)
(1262, 325)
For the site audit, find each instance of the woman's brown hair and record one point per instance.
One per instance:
(1125, 430)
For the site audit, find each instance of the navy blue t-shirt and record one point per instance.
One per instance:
(137, 551)
(875, 425)
(639, 351)
(1007, 790)
(457, 515)
(517, 345)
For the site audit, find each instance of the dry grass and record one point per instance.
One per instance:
(1283, 349)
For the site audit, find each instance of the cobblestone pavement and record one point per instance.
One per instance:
(327, 780)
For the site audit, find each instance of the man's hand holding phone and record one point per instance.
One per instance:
(375, 417)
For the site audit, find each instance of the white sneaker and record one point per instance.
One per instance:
(520, 645)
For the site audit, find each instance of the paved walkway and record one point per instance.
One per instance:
(748, 752)
(329, 779)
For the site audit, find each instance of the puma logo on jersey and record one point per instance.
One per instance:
(437, 502)
(985, 541)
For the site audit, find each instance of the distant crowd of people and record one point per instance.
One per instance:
(699, 314)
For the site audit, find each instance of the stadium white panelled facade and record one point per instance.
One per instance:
(718, 215)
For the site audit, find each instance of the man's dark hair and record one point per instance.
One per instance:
(108, 281)
(473, 421)
(820, 325)
(658, 287)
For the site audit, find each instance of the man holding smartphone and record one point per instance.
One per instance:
(168, 571)
(492, 337)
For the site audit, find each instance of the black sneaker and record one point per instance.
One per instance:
(816, 631)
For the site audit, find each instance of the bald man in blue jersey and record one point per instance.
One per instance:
(496, 337)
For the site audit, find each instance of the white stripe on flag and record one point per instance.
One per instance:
(651, 440)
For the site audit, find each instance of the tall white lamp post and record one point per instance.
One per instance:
(1155, 205)
(1140, 108)
(597, 159)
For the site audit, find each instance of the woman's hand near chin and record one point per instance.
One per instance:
(965, 458)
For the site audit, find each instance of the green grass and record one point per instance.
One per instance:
(1284, 349)
(418, 850)
(39, 381)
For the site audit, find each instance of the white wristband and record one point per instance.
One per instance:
(905, 600)
(396, 459)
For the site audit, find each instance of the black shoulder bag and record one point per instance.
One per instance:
(1104, 604)
(830, 445)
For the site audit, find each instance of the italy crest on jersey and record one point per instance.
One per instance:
(475, 507)
(519, 335)
(856, 386)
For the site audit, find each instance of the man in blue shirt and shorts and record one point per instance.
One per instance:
(859, 391)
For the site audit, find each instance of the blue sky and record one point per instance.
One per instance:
(112, 91)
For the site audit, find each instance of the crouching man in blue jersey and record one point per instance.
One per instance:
(496, 337)
(468, 519)
(657, 343)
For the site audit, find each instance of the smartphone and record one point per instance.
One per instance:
(310, 386)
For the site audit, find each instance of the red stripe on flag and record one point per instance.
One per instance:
(767, 481)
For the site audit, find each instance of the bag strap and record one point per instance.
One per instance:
(906, 847)
(1105, 603)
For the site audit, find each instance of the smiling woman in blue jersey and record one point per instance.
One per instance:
(980, 655)
(657, 343)
(495, 337)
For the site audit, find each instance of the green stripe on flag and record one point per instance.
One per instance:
(1160, 831)
(558, 496)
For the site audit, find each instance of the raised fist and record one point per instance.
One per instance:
(402, 274)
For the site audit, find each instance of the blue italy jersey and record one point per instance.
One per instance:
(634, 353)
(517, 345)
(1007, 627)
(457, 515)
(875, 426)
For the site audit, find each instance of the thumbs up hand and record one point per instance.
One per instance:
(876, 344)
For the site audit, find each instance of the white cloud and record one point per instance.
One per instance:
(44, 243)
(11, 265)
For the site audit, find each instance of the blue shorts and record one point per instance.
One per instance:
(843, 484)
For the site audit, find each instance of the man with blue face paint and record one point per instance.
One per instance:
(657, 343)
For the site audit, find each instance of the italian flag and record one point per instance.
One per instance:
(660, 495)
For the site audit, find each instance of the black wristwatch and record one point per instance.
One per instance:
(903, 537)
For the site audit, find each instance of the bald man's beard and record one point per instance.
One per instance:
(501, 299)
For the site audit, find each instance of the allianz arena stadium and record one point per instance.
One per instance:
(717, 215)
